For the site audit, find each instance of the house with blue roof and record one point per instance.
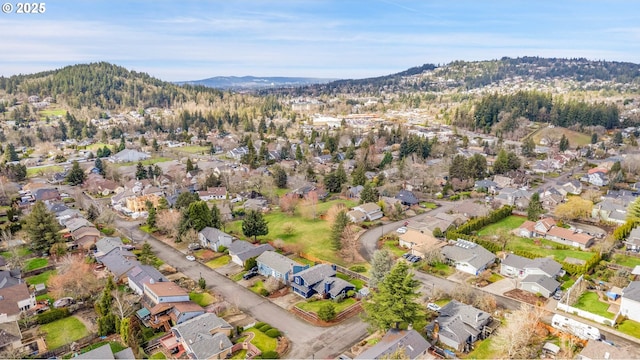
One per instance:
(320, 279)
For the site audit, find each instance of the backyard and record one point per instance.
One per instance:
(36, 263)
(42, 278)
(625, 260)
(508, 223)
(590, 301)
(63, 331)
(311, 234)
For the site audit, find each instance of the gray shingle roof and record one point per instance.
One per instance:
(196, 333)
(118, 262)
(632, 291)
(103, 352)
(546, 265)
(544, 281)
(410, 340)
(107, 244)
(213, 234)
(245, 250)
(315, 274)
(336, 284)
(516, 261)
(458, 321)
(474, 254)
(143, 274)
(276, 261)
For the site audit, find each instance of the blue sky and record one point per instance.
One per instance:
(189, 40)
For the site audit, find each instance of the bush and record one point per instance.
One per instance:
(52, 315)
(258, 325)
(358, 268)
(272, 333)
(264, 328)
(327, 312)
(270, 355)
(264, 292)
(222, 248)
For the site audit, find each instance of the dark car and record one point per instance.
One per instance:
(249, 275)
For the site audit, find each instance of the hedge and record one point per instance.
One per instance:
(52, 315)
(270, 355)
(272, 333)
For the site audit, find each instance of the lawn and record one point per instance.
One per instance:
(483, 350)
(495, 277)
(428, 205)
(359, 284)
(575, 138)
(203, 299)
(442, 302)
(23, 251)
(262, 341)
(240, 354)
(393, 247)
(624, 260)
(219, 261)
(311, 234)
(158, 355)
(257, 287)
(63, 331)
(193, 149)
(589, 301)
(36, 263)
(439, 269)
(41, 278)
(630, 327)
(51, 113)
(146, 162)
(37, 171)
(314, 306)
(508, 223)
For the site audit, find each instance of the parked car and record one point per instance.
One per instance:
(195, 246)
(433, 307)
(249, 274)
(415, 259)
(557, 295)
(62, 302)
(401, 230)
(191, 258)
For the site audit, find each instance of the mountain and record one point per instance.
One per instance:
(468, 75)
(253, 82)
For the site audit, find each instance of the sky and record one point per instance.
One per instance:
(191, 40)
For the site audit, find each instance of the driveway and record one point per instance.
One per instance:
(501, 286)
(307, 340)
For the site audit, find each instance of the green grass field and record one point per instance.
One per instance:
(314, 306)
(161, 355)
(63, 331)
(39, 171)
(41, 278)
(51, 113)
(257, 287)
(193, 149)
(147, 162)
(359, 284)
(219, 261)
(630, 327)
(589, 301)
(203, 299)
(262, 341)
(624, 260)
(575, 138)
(508, 223)
(483, 350)
(312, 234)
(36, 263)
(23, 251)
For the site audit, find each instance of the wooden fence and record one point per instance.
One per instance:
(38, 271)
(344, 314)
(351, 273)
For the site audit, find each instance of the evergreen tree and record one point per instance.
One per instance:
(594, 138)
(122, 144)
(633, 211)
(42, 228)
(92, 213)
(254, 225)
(76, 175)
(100, 166)
(339, 224)
(299, 154)
(476, 166)
(358, 176)
(216, 217)
(154, 145)
(280, 177)
(369, 194)
(617, 138)
(185, 199)
(394, 302)
(458, 168)
(386, 160)
(151, 217)
(381, 264)
(199, 215)
(535, 209)
(528, 147)
(146, 255)
(141, 172)
(189, 166)
(250, 158)
(11, 153)
(564, 143)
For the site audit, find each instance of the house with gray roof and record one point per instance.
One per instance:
(539, 284)
(468, 257)
(129, 155)
(77, 223)
(410, 342)
(459, 325)
(143, 274)
(204, 337)
(320, 279)
(407, 198)
(106, 244)
(119, 262)
(517, 266)
(633, 240)
(9, 278)
(212, 238)
(271, 263)
(240, 251)
(630, 303)
(105, 352)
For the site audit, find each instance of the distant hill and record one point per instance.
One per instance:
(468, 75)
(254, 83)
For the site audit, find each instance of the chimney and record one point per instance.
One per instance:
(410, 327)
(478, 316)
(221, 345)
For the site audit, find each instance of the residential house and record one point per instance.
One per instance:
(212, 238)
(256, 204)
(517, 266)
(419, 242)
(240, 251)
(573, 187)
(129, 155)
(468, 257)
(547, 229)
(630, 303)
(10, 278)
(371, 210)
(165, 303)
(597, 178)
(354, 192)
(140, 275)
(513, 197)
(610, 210)
(459, 325)
(490, 186)
(85, 237)
(603, 350)
(10, 337)
(539, 284)
(356, 216)
(74, 224)
(106, 244)
(204, 337)
(104, 352)
(633, 240)
(271, 263)
(46, 194)
(119, 262)
(213, 193)
(14, 300)
(407, 198)
(138, 204)
(410, 342)
(238, 153)
(320, 279)
(67, 214)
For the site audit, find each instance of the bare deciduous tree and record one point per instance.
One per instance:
(167, 222)
(513, 339)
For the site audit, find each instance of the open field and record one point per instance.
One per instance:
(575, 138)
(50, 169)
(63, 331)
(44, 114)
(193, 149)
(508, 223)
(311, 234)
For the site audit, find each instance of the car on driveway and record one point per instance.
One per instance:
(195, 246)
(249, 274)
(401, 230)
(557, 295)
(433, 307)
(191, 258)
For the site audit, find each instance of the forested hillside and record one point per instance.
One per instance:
(103, 85)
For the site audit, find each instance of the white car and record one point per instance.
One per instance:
(191, 258)
(401, 230)
(433, 307)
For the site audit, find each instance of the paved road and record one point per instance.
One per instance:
(307, 340)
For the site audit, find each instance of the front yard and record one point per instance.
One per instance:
(630, 327)
(203, 299)
(590, 301)
(63, 331)
(315, 305)
(220, 261)
(261, 341)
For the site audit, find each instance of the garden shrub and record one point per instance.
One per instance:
(52, 315)
(272, 333)
(270, 355)
(358, 268)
